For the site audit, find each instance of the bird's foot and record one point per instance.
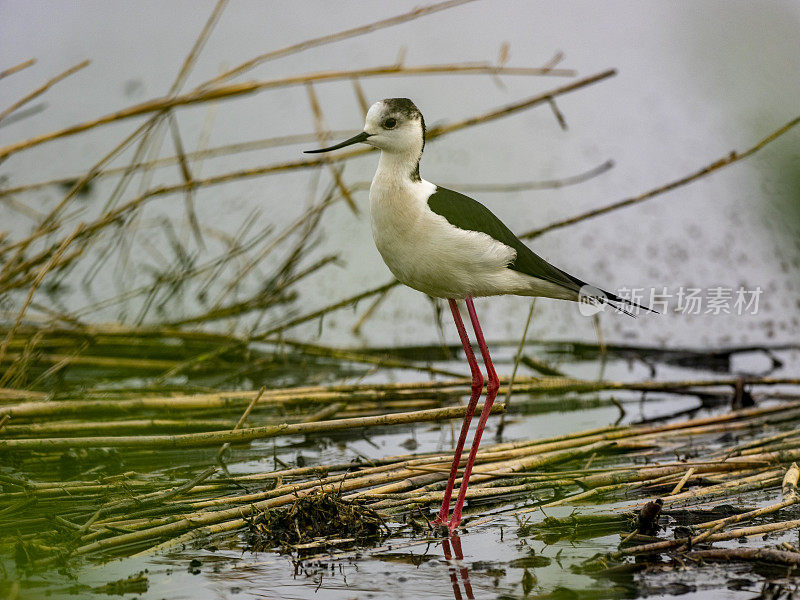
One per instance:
(452, 526)
(438, 527)
(436, 522)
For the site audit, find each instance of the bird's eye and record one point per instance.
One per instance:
(390, 123)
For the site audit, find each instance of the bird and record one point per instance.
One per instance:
(448, 245)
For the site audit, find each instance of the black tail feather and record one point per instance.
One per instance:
(624, 304)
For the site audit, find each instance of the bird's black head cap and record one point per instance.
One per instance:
(407, 109)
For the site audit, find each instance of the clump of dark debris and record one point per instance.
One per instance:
(135, 584)
(314, 517)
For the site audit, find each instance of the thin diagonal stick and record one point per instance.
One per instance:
(201, 40)
(186, 173)
(42, 89)
(731, 158)
(196, 155)
(335, 37)
(153, 134)
(17, 68)
(322, 136)
(241, 421)
(241, 89)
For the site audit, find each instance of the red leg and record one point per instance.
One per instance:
(477, 387)
(491, 393)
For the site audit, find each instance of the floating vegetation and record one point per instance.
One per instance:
(321, 516)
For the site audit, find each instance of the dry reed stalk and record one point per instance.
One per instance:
(398, 484)
(216, 522)
(789, 490)
(15, 265)
(188, 179)
(679, 486)
(363, 478)
(312, 215)
(241, 420)
(372, 393)
(288, 494)
(194, 361)
(187, 440)
(561, 385)
(43, 88)
(109, 427)
(15, 394)
(517, 186)
(322, 138)
(789, 444)
(432, 134)
(773, 442)
(752, 447)
(199, 96)
(517, 358)
(226, 149)
(197, 47)
(214, 264)
(729, 159)
(148, 364)
(114, 215)
(712, 527)
(408, 500)
(151, 499)
(718, 537)
(14, 271)
(259, 301)
(153, 132)
(230, 399)
(335, 37)
(17, 68)
(47, 224)
(325, 413)
(531, 460)
(757, 481)
(789, 484)
(34, 286)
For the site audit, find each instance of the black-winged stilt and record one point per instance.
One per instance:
(448, 245)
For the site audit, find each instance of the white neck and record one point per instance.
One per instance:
(396, 168)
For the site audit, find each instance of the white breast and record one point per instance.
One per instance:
(424, 251)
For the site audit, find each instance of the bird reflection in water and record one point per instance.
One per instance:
(456, 567)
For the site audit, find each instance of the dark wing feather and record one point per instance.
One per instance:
(466, 213)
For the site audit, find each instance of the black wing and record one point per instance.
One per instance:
(468, 214)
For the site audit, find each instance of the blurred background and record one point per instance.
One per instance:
(694, 81)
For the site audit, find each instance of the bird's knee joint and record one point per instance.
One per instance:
(493, 386)
(477, 383)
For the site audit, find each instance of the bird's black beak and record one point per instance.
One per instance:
(353, 140)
